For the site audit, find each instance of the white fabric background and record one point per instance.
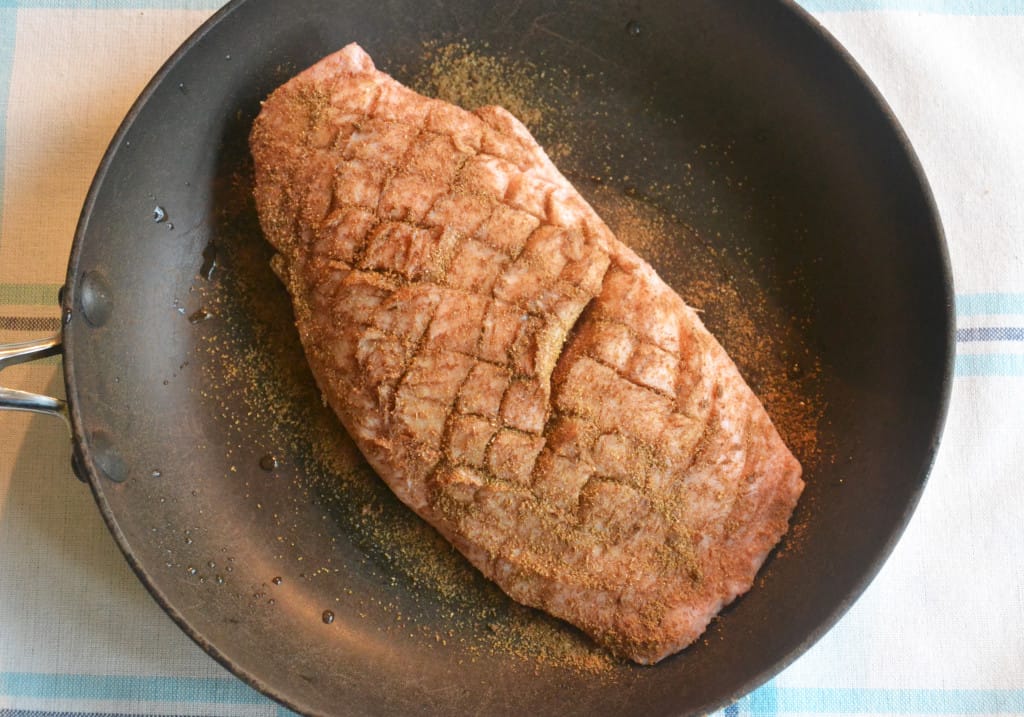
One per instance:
(940, 631)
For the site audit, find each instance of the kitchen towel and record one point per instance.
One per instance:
(939, 631)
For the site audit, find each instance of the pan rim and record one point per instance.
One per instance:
(928, 459)
(935, 229)
(83, 456)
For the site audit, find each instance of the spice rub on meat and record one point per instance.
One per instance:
(518, 377)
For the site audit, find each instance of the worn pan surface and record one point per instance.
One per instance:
(730, 140)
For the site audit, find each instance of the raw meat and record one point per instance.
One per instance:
(518, 377)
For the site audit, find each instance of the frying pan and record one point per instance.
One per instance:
(732, 141)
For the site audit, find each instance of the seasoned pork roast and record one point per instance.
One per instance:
(519, 378)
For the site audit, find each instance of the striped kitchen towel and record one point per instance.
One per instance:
(939, 632)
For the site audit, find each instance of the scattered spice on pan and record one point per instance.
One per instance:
(470, 77)
(255, 376)
(257, 383)
(761, 337)
(473, 76)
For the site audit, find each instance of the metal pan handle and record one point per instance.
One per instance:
(13, 400)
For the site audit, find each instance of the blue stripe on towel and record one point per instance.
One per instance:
(991, 333)
(901, 702)
(769, 700)
(989, 365)
(772, 700)
(16, 712)
(128, 687)
(989, 304)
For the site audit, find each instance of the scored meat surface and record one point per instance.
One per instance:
(518, 377)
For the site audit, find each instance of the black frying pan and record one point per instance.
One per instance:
(731, 141)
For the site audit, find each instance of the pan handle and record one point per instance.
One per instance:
(12, 400)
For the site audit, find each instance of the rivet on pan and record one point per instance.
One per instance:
(65, 310)
(633, 28)
(96, 299)
(106, 457)
(78, 469)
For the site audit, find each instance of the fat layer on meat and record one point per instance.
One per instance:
(518, 377)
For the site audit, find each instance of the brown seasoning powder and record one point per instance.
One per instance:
(250, 361)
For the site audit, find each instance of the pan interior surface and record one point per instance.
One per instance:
(728, 142)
